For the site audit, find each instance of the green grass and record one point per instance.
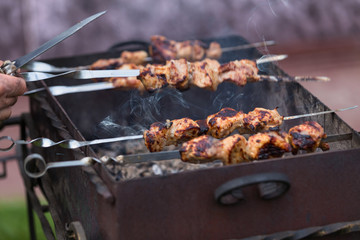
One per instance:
(14, 223)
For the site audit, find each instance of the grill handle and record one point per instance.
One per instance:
(270, 185)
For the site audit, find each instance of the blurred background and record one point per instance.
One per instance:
(29, 23)
(321, 38)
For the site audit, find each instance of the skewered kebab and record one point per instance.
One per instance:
(136, 57)
(182, 74)
(231, 150)
(236, 149)
(218, 125)
(72, 143)
(174, 69)
(162, 49)
(206, 74)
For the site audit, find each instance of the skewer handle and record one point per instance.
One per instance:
(35, 165)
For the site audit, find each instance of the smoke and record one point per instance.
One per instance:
(141, 110)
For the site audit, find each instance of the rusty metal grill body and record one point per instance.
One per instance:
(325, 187)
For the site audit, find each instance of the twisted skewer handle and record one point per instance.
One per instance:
(67, 143)
(35, 165)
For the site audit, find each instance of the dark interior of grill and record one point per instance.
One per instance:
(113, 113)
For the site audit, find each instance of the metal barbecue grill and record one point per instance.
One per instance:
(294, 196)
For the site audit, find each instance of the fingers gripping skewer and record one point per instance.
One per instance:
(8, 143)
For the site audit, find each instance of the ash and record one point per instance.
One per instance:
(146, 169)
(155, 168)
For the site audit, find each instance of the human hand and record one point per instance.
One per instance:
(10, 88)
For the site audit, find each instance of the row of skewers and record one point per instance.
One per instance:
(193, 63)
(183, 64)
(185, 67)
(207, 140)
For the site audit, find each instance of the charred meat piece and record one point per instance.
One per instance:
(239, 72)
(266, 145)
(170, 133)
(261, 119)
(307, 136)
(205, 74)
(232, 150)
(161, 49)
(174, 74)
(206, 149)
(154, 77)
(156, 137)
(182, 130)
(200, 150)
(224, 122)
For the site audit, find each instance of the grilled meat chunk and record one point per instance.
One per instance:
(179, 74)
(239, 72)
(156, 137)
(127, 82)
(205, 74)
(163, 49)
(214, 51)
(200, 150)
(182, 130)
(190, 50)
(307, 136)
(154, 77)
(261, 119)
(224, 122)
(170, 133)
(232, 150)
(106, 64)
(174, 74)
(266, 145)
(136, 57)
(206, 149)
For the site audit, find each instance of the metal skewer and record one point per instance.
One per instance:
(72, 144)
(93, 74)
(293, 78)
(37, 66)
(319, 113)
(35, 166)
